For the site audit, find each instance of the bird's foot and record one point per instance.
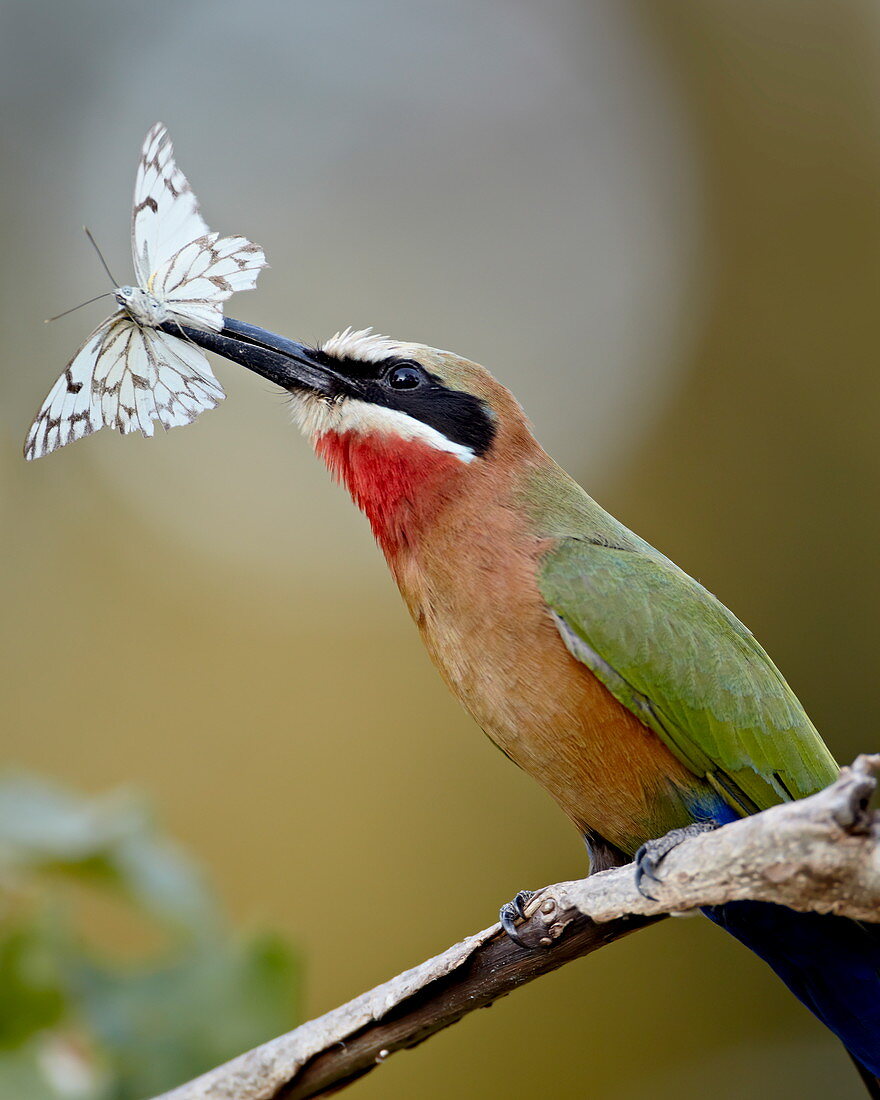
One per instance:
(515, 910)
(653, 852)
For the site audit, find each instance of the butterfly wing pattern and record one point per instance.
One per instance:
(147, 375)
(165, 215)
(67, 413)
(176, 257)
(130, 373)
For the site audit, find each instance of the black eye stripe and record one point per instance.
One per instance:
(460, 417)
(358, 369)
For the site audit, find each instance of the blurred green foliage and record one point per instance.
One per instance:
(78, 1022)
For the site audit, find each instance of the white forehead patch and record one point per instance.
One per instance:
(362, 344)
(315, 416)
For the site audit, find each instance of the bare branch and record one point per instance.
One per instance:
(821, 854)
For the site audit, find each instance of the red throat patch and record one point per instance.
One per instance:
(400, 484)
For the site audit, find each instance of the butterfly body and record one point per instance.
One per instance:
(141, 306)
(130, 372)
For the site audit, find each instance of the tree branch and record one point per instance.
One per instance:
(821, 853)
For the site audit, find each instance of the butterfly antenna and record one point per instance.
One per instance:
(106, 294)
(88, 233)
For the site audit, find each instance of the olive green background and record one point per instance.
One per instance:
(659, 223)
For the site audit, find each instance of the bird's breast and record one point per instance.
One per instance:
(467, 559)
(470, 582)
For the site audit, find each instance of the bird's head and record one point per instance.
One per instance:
(403, 425)
(399, 397)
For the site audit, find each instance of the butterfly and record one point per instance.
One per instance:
(130, 372)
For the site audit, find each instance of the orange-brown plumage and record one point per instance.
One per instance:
(465, 555)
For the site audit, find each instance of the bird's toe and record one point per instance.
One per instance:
(515, 910)
(652, 853)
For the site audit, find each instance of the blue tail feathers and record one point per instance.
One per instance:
(831, 964)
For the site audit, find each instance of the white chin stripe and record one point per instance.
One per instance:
(316, 416)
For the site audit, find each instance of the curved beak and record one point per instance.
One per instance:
(285, 362)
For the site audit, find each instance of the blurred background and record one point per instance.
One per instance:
(659, 224)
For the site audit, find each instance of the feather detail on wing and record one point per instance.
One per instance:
(671, 653)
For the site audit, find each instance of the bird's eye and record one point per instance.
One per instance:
(405, 377)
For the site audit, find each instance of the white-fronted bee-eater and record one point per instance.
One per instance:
(597, 665)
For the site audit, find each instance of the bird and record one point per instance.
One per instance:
(630, 693)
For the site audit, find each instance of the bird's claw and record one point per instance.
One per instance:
(652, 853)
(515, 910)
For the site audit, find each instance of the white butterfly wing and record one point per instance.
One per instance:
(145, 375)
(125, 376)
(176, 257)
(68, 413)
(204, 273)
(165, 215)
(182, 384)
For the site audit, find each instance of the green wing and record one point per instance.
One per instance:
(675, 656)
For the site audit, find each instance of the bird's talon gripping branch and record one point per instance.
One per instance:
(511, 912)
(652, 853)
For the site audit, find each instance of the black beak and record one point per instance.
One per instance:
(285, 362)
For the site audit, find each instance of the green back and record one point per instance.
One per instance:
(670, 652)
